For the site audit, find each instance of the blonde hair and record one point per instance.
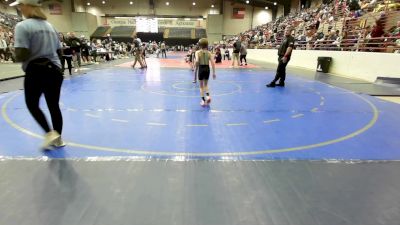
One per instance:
(203, 43)
(37, 13)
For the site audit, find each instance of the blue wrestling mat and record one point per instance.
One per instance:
(120, 112)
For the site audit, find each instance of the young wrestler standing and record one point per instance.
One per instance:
(203, 60)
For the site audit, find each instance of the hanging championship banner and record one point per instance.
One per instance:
(128, 21)
(179, 23)
(131, 21)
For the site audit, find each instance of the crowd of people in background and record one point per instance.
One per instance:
(221, 52)
(6, 45)
(78, 51)
(310, 35)
(9, 20)
(7, 25)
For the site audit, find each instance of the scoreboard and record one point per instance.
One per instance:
(147, 25)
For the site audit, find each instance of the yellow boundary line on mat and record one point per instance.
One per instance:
(238, 89)
(370, 124)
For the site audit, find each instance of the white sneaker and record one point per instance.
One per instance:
(76, 70)
(58, 143)
(49, 139)
(202, 103)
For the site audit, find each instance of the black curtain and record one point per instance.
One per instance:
(145, 37)
(181, 41)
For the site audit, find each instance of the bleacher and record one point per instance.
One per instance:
(368, 28)
(101, 32)
(9, 20)
(122, 31)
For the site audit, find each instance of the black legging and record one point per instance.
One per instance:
(69, 63)
(40, 80)
(243, 57)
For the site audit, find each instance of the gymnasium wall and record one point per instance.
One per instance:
(294, 5)
(316, 3)
(230, 26)
(349, 64)
(235, 26)
(142, 7)
(280, 11)
(64, 20)
(84, 23)
(215, 25)
(251, 19)
(61, 19)
(261, 16)
(7, 9)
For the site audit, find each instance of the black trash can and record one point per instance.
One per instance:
(324, 64)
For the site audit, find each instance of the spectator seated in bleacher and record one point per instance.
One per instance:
(377, 32)
(9, 20)
(313, 27)
(393, 38)
(6, 44)
(301, 40)
(333, 42)
(320, 41)
(396, 30)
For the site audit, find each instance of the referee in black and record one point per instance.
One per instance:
(284, 53)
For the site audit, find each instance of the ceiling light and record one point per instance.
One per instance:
(194, 3)
(274, 3)
(88, 3)
(131, 3)
(212, 6)
(103, 2)
(266, 7)
(167, 3)
(247, 2)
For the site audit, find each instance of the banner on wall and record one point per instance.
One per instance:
(55, 9)
(120, 22)
(238, 13)
(131, 21)
(179, 23)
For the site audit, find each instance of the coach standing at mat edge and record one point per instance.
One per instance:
(284, 53)
(38, 47)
